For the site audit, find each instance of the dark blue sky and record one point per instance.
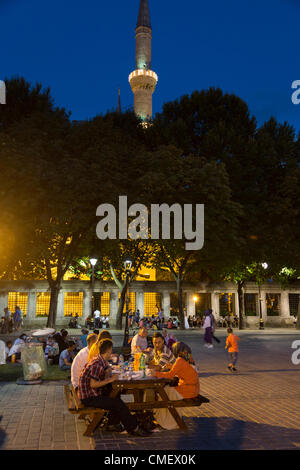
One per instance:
(85, 50)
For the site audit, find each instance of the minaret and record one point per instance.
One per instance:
(143, 80)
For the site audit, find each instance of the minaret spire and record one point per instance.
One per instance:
(143, 80)
(144, 15)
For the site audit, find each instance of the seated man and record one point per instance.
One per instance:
(160, 357)
(14, 354)
(95, 387)
(89, 323)
(3, 326)
(139, 342)
(81, 360)
(51, 351)
(8, 347)
(66, 356)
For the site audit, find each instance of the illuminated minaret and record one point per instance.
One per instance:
(143, 80)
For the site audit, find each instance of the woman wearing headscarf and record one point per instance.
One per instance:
(188, 385)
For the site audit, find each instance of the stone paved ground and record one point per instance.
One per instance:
(35, 417)
(256, 408)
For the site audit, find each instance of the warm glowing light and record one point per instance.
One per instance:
(195, 298)
(147, 73)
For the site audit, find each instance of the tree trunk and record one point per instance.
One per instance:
(51, 323)
(241, 305)
(298, 316)
(121, 308)
(180, 303)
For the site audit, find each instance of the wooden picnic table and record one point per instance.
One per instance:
(137, 388)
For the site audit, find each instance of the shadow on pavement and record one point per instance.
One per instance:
(2, 435)
(208, 434)
(213, 374)
(233, 434)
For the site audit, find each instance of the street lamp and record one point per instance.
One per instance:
(261, 321)
(93, 262)
(128, 263)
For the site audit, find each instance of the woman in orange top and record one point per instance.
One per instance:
(188, 386)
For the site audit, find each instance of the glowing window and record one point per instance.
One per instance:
(152, 303)
(18, 299)
(73, 304)
(131, 302)
(227, 305)
(42, 304)
(105, 304)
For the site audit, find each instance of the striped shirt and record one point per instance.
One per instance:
(162, 358)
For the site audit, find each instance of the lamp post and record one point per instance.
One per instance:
(93, 262)
(128, 266)
(261, 321)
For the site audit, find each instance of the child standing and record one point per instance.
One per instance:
(233, 349)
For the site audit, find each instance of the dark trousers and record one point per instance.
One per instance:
(208, 335)
(118, 411)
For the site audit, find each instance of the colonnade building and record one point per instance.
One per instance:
(75, 298)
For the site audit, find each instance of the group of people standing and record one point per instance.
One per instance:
(11, 321)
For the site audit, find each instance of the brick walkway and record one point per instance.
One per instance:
(35, 417)
(257, 408)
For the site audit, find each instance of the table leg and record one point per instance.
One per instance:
(95, 420)
(171, 408)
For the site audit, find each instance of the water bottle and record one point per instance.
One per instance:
(121, 360)
(143, 364)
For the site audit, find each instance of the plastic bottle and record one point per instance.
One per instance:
(143, 364)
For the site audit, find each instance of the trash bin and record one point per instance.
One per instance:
(33, 362)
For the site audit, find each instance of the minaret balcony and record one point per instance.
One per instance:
(143, 72)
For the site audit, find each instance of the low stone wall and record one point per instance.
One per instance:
(271, 321)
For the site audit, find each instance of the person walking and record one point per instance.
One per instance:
(207, 325)
(233, 349)
(213, 326)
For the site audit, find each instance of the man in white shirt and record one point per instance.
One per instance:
(81, 360)
(139, 342)
(97, 315)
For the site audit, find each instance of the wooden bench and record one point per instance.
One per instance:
(95, 415)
